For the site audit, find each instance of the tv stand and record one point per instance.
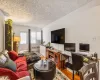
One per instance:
(56, 57)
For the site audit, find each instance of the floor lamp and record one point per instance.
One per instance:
(16, 41)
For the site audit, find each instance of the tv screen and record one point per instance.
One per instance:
(58, 36)
(84, 47)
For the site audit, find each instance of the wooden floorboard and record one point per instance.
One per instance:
(70, 75)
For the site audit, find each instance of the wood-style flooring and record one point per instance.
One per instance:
(70, 75)
(67, 73)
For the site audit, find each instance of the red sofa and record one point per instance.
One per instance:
(21, 68)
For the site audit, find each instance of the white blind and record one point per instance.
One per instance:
(33, 37)
(36, 37)
(23, 37)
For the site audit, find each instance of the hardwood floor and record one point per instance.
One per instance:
(70, 75)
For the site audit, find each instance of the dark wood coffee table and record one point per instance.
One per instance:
(44, 71)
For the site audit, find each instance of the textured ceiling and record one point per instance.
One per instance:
(39, 13)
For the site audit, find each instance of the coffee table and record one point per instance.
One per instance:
(44, 70)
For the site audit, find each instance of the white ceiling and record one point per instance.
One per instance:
(39, 13)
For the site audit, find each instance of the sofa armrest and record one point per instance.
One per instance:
(25, 78)
(9, 73)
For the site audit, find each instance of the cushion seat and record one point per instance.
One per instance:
(22, 74)
(21, 66)
(20, 59)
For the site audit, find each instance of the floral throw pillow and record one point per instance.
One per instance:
(3, 59)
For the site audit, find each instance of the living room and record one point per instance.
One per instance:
(81, 26)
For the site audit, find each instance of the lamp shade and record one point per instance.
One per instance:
(16, 38)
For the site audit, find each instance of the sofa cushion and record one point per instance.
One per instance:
(20, 59)
(3, 59)
(6, 62)
(10, 65)
(21, 66)
(22, 74)
(13, 55)
(5, 52)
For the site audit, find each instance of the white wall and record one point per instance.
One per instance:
(82, 26)
(1, 31)
(20, 28)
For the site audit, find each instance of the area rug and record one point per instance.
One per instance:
(59, 75)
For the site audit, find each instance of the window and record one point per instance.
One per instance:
(38, 35)
(23, 37)
(33, 37)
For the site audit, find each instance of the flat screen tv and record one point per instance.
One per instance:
(84, 47)
(58, 36)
